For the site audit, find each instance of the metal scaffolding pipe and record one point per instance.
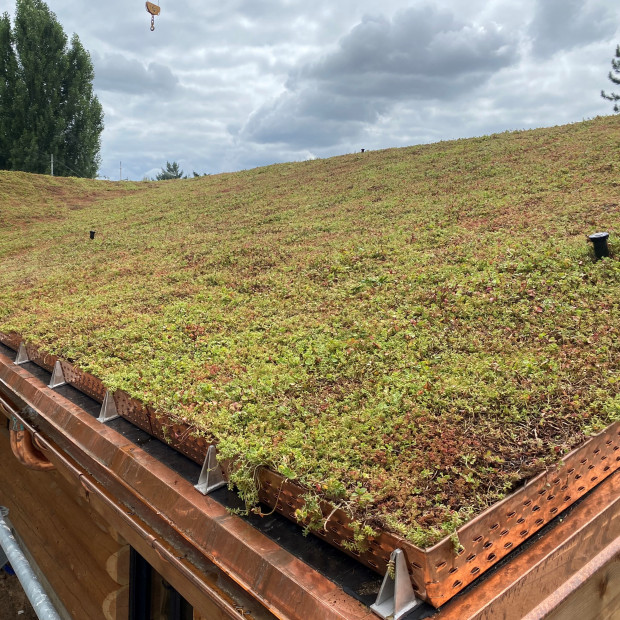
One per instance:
(34, 591)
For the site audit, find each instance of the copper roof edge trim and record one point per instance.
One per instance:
(553, 601)
(438, 572)
(283, 584)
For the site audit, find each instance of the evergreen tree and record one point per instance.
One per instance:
(48, 97)
(82, 114)
(171, 171)
(615, 66)
(8, 77)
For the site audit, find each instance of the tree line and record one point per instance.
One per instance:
(173, 171)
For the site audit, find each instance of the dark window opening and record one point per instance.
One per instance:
(151, 597)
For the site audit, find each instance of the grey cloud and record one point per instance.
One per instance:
(239, 24)
(413, 55)
(310, 119)
(117, 73)
(421, 54)
(561, 25)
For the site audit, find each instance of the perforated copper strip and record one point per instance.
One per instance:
(12, 340)
(83, 381)
(133, 410)
(490, 536)
(40, 358)
(437, 573)
(179, 436)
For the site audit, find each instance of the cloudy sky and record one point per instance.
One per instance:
(222, 86)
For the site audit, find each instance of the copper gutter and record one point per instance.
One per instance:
(22, 444)
(174, 527)
(437, 573)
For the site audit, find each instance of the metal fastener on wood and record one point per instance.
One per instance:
(211, 476)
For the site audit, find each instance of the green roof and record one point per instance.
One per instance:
(409, 333)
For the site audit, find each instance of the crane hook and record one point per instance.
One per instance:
(153, 9)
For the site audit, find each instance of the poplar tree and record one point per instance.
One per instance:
(47, 104)
(8, 76)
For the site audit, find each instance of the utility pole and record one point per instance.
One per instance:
(120, 174)
(52, 165)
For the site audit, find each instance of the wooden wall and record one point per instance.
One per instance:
(85, 562)
(598, 598)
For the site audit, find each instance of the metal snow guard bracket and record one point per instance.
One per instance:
(396, 597)
(58, 376)
(211, 476)
(22, 355)
(108, 409)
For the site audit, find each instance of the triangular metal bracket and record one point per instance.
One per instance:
(396, 597)
(211, 476)
(22, 355)
(108, 409)
(58, 377)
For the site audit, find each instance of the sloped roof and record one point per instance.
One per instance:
(409, 333)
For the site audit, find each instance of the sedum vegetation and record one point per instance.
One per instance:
(409, 333)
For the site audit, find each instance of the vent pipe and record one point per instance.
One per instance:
(599, 240)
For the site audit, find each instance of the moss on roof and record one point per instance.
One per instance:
(409, 333)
